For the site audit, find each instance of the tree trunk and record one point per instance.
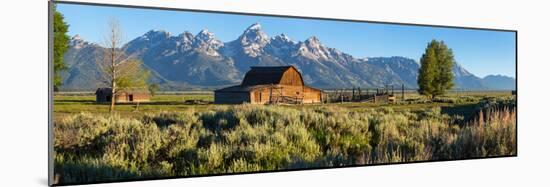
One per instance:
(113, 97)
(113, 81)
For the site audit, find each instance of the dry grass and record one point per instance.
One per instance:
(243, 138)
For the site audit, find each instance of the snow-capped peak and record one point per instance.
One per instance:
(253, 40)
(282, 37)
(155, 35)
(206, 42)
(314, 44)
(205, 35)
(76, 37)
(186, 36)
(312, 48)
(313, 41)
(255, 26)
(155, 32)
(254, 34)
(185, 40)
(77, 42)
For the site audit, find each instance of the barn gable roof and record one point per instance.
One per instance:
(259, 75)
(241, 88)
(245, 89)
(103, 91)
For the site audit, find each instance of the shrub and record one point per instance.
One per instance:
(489, 135)
(132, 145)
(81, 134)
(248, 138)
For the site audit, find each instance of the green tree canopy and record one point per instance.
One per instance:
(60, 46)
(435, 75)
(131, 74)
(153, 88)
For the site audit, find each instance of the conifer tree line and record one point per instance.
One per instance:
(435, 75)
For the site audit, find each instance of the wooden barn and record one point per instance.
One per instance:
(270, 84)
(134, 95)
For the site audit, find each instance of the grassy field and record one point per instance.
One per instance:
(167, 137)
(66, 104)
(70, 104)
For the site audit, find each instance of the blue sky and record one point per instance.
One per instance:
(481, 52)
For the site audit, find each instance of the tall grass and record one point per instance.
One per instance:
(248, 138)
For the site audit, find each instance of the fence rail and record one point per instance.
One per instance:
(391, 93)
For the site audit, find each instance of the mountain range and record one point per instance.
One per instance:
(201, 61)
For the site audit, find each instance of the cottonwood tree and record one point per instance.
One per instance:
(153, 88)
(435, 75)
(119, 71)
(60, 46)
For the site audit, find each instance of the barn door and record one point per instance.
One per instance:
(257, 97)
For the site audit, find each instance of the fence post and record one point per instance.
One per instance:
(353, 94)
(359, 90)
(403, 92)
(342, 96)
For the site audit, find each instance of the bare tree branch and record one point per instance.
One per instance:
(119, 71)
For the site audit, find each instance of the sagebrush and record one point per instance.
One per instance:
(246, 138)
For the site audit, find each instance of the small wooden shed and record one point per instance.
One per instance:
(270, 84)
(132, 95)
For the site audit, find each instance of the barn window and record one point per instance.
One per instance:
(131, 97)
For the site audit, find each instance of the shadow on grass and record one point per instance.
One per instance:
(160, 103)
(468, 111)
(74, 173)
(92, 102)
(74, 101)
